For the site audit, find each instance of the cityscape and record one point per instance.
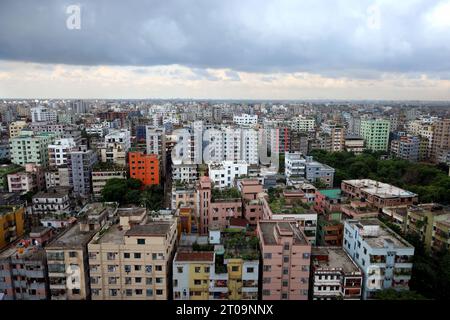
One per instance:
(226, 151)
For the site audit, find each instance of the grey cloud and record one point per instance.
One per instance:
(320, 36)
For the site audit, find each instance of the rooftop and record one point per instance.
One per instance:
(52, 193)
(331, 193)
(194, 256)
(268, 232)
(152, 229)
(379, 189)
(337, 258)
(378, 235)
(72, 238)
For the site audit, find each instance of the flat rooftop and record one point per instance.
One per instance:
(381, 236)
(267, 228)
(379, 189)
(72, 238)
(151, 229)
(337, 258)
(52, 193)
(194, 257)
(331, 193)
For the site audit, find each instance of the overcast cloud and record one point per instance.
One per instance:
(356, 39)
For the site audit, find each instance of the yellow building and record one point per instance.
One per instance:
(15, 128)
(234, 267)
(11, 224)
(191, 275)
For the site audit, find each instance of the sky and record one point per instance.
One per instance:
(215, 49)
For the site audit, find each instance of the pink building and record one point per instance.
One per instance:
(215, 213)
(250, 188)
(286, 260)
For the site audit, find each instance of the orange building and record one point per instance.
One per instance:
(144, 167)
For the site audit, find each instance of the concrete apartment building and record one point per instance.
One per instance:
(112, 152)
(378, 194)
(406, 147)
(245, 119)
(23, 268)
(440, 145)
(80, 162)
(299, 169)
(144, 167)
(334, 275)
(185, 173)
(43, 114)
(15, 128)
(101, 173)
(354, 144)
(303, 124)
(375, 134)
(133, 259)
(121, 136)
(224, 173)
(384, 257)
(67, 263)
(30, 147)
(12, 219)
(59, 177)
(58, 151)
(251, 206)
(286, 257)
(51, 202)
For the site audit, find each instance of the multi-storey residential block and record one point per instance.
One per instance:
(440, 145)
(23, 268)
(303, 124)
(119, 137)
(291, 205)
(41, 113)
(406, 147)
(330, 230)
(252, 208)
(191, 275)
(223, 174)
(245, 119)
(68, 268)
(101, 173)
(112, 152)
(337, 135)
(59, 177)
(377, 193)
(299, 168)
(384, 257)
(422, 220)
(57, 151)
(144, 167)
(15, 128)
(185, 173)
(80, 162)
(286, 257)
(375, 134)
(12, 219)
(132, 260)
(51, 202)
(354, 144)
(29, 147)
(334, 275)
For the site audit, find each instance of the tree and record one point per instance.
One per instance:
(123, 191)
(392, 294)
(152, 198)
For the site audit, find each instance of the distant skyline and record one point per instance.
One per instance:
(262, 50)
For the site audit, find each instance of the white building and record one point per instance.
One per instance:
(245, 119)
(41, 113)
(303, 124)
(121, 136)
(100, 129)
(384, 257)
(57, 152)
(224, 173)
(53, 201)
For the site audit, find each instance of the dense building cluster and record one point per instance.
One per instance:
(148, 200)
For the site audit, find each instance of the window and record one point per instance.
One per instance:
(197, 269)
(250, 270)
(148, 268)
(126, 255)
(148, 280)
(266, 292)
(128, 292)
(138, 280)
(138, 292)
(159, 280)
(206, 269)
(286, 259)
(235, 268)
(158, 268)
(285, 271)
(285, 283)
(159, 292)
(72, 254)
(149, 292)
(267, 256)
(140, 241)
(197, 282)
(137, 255)
(180, 269)
(137, 268)
(127, 268)
(284, 296)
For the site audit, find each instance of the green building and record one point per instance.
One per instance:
(30, 147)
(376, 134)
